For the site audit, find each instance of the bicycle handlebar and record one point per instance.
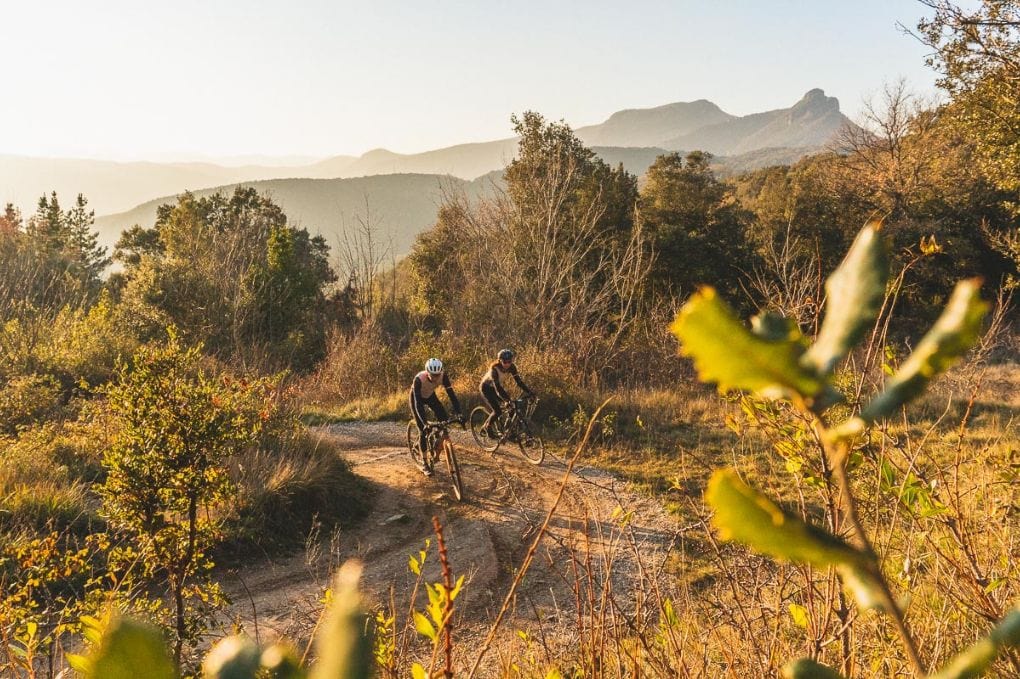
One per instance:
(444, 423)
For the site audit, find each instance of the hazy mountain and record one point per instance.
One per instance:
(114, 186)
(653, 126)
(464, 160)
(402, 205)
(633, 137)
(399, 205)
(810, 123)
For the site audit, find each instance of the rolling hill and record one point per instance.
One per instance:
(400, 205)
(634, 137)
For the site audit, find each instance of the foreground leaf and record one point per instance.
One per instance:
(956, 330)
(975, 660)
(130, 650)
(727, 353)
(744, 515)
(805, 668)
(854, 294)
(235, 657)
(424, 627)
(281, 663)
(343, 646)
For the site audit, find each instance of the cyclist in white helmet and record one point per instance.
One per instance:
(423, 393)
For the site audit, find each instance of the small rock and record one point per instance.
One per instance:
(393, 519)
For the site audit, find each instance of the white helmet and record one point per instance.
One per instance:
(434, 366)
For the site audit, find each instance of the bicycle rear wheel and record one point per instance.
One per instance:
(451, 462)
(531, 446)
(477, 419)
(412, 445)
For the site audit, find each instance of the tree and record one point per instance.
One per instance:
(696, 226)
(82, 241)
(977, 54)
(10, 221)
(231, 272)
(50, 262)
(167, 486)
(556, 260)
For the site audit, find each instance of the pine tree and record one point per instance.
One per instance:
(10, 221)
(82, 241)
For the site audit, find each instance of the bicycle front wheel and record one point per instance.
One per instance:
(531, 446)
(477, 419)
(451, 462)
(412, 445)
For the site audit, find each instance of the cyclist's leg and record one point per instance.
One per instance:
(491, 398)
(418, 411)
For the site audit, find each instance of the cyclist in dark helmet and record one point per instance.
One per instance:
(492, 388)
(423, 393)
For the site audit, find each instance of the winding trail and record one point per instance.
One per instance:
(506, 501)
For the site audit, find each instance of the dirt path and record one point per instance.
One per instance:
(487, 535)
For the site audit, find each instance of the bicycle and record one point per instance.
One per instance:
(437, 438)
(514, 424)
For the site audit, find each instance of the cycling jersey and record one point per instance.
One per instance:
(496, 373)
(425, 384)
(423, 393)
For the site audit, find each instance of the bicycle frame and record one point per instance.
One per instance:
(437, 440)
(517, 411)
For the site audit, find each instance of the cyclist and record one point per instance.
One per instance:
(423, 393)
(492, 389)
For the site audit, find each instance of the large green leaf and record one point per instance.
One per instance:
(975, 660)
(956, 330)
(281, 663)
(343, 645)
(744, 515)
(806, 668)
(727, 353)
(130, 649)
(854, 294)
(235, 657)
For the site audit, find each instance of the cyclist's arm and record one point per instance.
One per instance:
(517, 378)
(449, 392)
(416, 399)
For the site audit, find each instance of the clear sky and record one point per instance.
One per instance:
(136, 79)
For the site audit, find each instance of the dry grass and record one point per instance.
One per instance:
(286, 490)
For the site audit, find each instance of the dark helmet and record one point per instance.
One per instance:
(506, 355)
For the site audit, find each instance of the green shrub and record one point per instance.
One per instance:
(35, 490)
(286, 486)
(167, 485)
(28, 399)
(85, 345)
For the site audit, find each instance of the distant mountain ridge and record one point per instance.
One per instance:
(654, 126)
(810, 123)
(399, 206)
(633, 137)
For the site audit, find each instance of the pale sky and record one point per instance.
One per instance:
(136, 79)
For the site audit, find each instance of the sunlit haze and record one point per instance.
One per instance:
(126, 79)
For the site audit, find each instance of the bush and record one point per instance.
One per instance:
(28, 399)
(85, 345)
(167, 485)
(287, 486)
(356, 366)
(36, 490)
